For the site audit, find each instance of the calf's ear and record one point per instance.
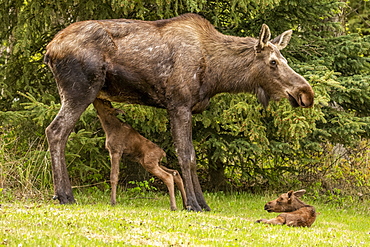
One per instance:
(264, 37)
(299, 193)
(282, 40)
(119, 111)
(290, 193)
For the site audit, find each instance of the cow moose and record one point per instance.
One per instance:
(122, 139)
(296, 212)
(177, 64)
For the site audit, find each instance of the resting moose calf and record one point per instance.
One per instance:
(296, 212)
(122, 139)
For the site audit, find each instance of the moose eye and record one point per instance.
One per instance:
(273, 62)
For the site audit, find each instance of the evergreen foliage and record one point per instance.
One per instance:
(236, 140)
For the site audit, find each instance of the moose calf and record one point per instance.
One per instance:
(296, 212)
(122, 139)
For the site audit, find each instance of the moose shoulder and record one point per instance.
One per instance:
(177, 64)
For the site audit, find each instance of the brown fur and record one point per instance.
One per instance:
(296, 212)
(122, 139)
(177, 64)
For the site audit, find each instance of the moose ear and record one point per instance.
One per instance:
(282, 40)
(299, 193)
(264, 37)
(290, 193)
(119, 111)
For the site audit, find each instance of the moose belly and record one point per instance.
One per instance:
(126, 85)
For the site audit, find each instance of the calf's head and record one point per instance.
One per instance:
(105, 108)
(274, 77)
(287, 202)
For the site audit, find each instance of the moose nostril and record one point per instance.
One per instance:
(301, 101)
(306, 101)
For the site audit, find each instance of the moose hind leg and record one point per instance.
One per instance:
(57, 134)
(76, 93)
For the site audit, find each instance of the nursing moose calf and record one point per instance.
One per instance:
(177, 64)
(122, 139)
(295, 212)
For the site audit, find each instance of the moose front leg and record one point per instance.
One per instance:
(181, 128)
(197, 188)
(275, 221)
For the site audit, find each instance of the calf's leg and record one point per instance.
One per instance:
(114, 175)
(275, 221)
(179, 183)
(167, 178)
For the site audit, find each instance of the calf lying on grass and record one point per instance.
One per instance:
(122, 139)
(296, 212)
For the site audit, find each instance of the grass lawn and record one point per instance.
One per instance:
(149, 222)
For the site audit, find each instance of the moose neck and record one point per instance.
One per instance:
(299, 204)
(228, 62)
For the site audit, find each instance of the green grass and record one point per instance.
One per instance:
(149, 222)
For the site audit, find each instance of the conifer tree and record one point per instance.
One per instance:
(236, 139)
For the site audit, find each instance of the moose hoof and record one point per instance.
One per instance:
(194, 209)
(65, 199)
